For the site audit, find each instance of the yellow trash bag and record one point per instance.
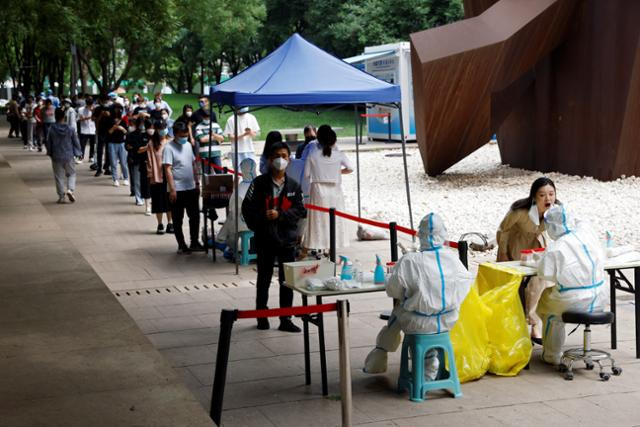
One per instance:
(470, 338)
(491, 333)
(508, 332)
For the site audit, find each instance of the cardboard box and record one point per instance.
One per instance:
(296, 273)
(217, 189)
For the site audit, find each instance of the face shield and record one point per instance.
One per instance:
(558, 222)
(248, 170)
(431, 232)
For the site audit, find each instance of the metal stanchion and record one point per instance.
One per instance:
(345, 361)
(332, 234)
(227, 317)
(463, 253)
(393, 237)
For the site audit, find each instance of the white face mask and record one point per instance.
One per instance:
(280, 163)
(150, 131)
(189, 113)
(165, 116)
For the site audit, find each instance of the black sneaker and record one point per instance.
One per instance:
(197, 247)
(98, 173)
(287, 325)
(93, 167)
(184, 250)
(263, 323)
(107, 172)
(170, 228)
(160, 229)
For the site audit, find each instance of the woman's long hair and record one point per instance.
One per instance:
(272, 137)
(528, 201)
(327, 139)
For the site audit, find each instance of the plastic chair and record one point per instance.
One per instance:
(414, 380)
(585, 353)
(245, 244)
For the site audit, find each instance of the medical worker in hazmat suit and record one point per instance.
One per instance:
(574, 262)
(226, 236)
(428, 287)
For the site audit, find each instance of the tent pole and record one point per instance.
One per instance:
(235, 183)
(355, 110)
(404, 159)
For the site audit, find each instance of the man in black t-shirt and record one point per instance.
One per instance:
(203, 111)
(103, 116)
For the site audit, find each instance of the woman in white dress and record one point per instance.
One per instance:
(323, 169)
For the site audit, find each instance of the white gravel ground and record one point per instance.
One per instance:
(475, 194)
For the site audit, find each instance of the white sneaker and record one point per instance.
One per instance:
(148, 212)
(116, 184)
(139, 203)
(125, 182)
(91, 160)
(32, 148)
(71, 196)
(78, 161)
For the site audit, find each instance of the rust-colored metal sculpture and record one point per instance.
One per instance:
(557, 80)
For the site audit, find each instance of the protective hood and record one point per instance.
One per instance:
(248, 169)
(431, 232)
(558, 221)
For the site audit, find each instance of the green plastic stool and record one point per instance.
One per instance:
(245, 243)
(414, 380)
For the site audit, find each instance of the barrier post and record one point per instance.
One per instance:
(345, 361)
(393, 237)
(332, 234)
(389, 123)
(463, 251)
(227, 317)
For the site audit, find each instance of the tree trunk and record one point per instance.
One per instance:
(201, 77)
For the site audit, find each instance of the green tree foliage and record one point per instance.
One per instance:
(113, 35)
(181, 41)
(30, 52)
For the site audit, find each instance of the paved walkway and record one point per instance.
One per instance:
(176, 301)
(69, 353)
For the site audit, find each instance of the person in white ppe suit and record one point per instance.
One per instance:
(226, 236)
(574, 262)
(428, 287)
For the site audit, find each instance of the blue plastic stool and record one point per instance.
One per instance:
(245, 240)
(414, 380)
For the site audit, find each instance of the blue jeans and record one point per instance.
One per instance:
(118, 152)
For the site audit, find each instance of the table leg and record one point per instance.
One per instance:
(523, 300)
(612, 302)
(636, 283)
(206, 237)
(305, 329)
(323, 355)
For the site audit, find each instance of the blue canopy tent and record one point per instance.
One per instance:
(299, 73)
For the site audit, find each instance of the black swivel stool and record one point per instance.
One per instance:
(585, 353)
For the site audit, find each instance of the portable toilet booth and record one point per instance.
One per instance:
(391, 63)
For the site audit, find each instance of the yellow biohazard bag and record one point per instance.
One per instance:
(507, 328)
(491, 333)
(470, 338)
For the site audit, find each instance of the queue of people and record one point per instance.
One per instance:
(137, 143)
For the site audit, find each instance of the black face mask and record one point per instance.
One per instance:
(309, 138)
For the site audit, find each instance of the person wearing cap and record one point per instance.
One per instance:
(574, 265)
(248, 129)
(428, 288)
